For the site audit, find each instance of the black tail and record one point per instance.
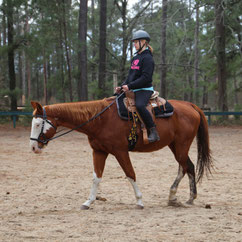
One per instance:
(204, 158)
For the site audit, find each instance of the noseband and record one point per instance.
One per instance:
(44, 139)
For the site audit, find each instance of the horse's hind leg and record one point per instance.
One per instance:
(185, 166)
(99, 159)
(192, 181)
(172, 196)
(125, 163)
(189, 169)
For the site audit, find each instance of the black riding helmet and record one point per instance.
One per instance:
(138, 35)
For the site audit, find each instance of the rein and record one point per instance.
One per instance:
(44, 117)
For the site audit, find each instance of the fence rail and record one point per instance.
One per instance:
(14, 115)
(210, 113)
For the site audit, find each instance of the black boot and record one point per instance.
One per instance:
(153, 136)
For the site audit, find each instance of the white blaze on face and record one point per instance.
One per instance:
(35, 132)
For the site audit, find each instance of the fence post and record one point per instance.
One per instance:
(14, 121)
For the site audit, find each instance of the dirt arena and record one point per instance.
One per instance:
(41, 195)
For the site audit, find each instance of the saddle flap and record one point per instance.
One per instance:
(129, 101)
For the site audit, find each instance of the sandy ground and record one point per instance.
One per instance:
(41, 195)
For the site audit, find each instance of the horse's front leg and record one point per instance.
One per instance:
(125, 163)
(99, 158)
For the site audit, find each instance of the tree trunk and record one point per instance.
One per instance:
(236, 99)
(67, 52)
(28, 65)
(239, 36)
(60, 67)
(45, 80)
(93, 24)
(189, 86)
(124, 39)
(4, 31)
(62, 75)
(220, 54)
(0, 35)
(82, 53)
(28, 72)
(163, 49)
(19, 84)
(205, 94)
(48, 68)
(11, 66)
(23, 78)
(37, 83)
(60, 55)
(196, 55)
(21, 60)
(131, 48)
(4, 60)
(102, 49)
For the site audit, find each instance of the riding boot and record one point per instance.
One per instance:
(153, 136)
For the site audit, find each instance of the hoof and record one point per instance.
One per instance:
(189, 202)
(139, 207)
(84, 207)
(175, 203)
(101, 199)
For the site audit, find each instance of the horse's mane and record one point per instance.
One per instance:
(76, 111)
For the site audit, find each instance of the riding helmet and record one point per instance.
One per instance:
(141, 34)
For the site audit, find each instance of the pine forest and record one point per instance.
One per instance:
(76, 50)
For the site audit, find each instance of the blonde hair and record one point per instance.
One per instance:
(150, 47)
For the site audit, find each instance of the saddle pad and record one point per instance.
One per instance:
(159, 111)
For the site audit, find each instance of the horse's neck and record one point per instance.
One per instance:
(73, 114)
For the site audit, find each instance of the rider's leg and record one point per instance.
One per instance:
(141, 99)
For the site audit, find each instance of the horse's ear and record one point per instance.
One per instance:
(36, 106)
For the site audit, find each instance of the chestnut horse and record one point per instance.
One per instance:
(107, 134)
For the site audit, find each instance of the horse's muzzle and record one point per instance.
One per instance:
(36, 147)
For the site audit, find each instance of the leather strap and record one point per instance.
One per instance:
(131, 106)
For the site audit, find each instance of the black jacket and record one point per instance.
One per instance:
(141, 71)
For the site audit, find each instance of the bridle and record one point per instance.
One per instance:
(45, 140)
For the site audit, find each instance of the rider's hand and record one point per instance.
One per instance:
(118, 89)
(125, 88)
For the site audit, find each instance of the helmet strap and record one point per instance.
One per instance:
(140, 47)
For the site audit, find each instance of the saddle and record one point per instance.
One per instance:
(155, 101)
(158, 108)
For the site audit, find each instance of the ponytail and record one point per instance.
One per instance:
(150, 48)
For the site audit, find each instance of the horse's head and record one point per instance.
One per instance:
(43, 128)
